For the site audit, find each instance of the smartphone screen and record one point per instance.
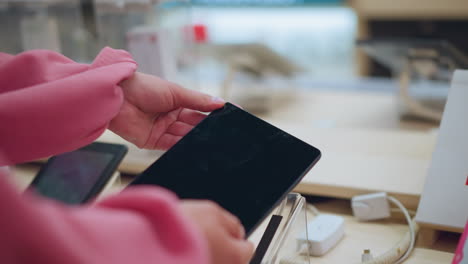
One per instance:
(76, 176)
(237, 160)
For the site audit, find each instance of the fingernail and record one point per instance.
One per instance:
(217, 100)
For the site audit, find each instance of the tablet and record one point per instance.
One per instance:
(237, 160)
(76, 177)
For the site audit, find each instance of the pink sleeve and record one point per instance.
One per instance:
(50, 104)
(141, 225)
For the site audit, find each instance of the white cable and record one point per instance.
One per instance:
(395, 254)
(401, 251)
(398, 210)
(411, 228)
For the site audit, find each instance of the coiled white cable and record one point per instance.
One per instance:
(402, 250)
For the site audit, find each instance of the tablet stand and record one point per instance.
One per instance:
(279, 242)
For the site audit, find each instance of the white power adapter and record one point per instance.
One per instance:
(324, 232)
(371, 206)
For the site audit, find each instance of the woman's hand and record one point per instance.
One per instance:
(156, 113)
(222, 230)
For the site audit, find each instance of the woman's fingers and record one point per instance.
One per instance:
(179, 128)
(157, 113)
(195, 100)
(243, 250)
(233, 225)
(191, 117)
(165, 142)
(132, 124)
(155, 95)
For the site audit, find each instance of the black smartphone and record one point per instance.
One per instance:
(76, 177)
(241, 162)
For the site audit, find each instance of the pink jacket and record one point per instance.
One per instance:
(49, 105)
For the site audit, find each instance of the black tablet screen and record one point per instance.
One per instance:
(237, 160)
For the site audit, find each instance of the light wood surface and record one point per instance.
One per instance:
(356, 162)
(24, 174)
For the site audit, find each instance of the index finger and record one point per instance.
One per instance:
(195, 100)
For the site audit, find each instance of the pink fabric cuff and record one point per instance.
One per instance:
(50, 104)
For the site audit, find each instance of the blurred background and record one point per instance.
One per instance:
(365, 81)
(244, 49)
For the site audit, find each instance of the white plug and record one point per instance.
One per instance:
(370, 206)
(324, 232)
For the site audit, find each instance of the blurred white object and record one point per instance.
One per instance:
(252, 60)
(445, 195)
(424, 100)
(40, 32)
(324, 232)
(319, 38)
(152, 49)
(370, 206)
